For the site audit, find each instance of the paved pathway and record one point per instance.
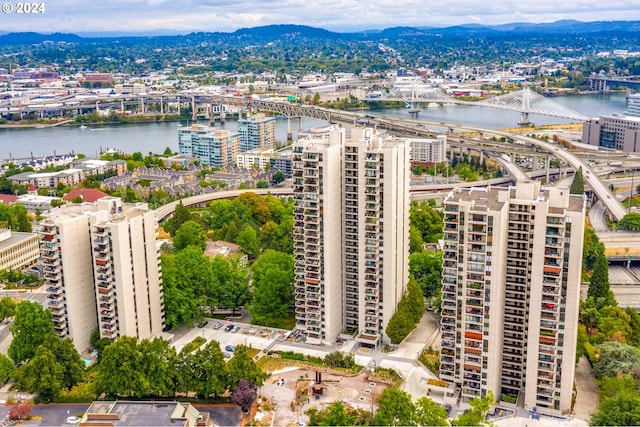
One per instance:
(587, 396)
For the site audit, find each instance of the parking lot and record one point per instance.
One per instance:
(242, 334)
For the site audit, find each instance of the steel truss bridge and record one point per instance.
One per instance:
(415, 128)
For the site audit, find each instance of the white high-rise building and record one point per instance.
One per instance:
(102, 269)
(633, 105)
(351, 232)
(511, 279)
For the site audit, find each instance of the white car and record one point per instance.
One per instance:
(73, 420)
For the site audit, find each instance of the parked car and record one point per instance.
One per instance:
(229, 327)
(230, 348)
(203, 324)
(217, 325)
(73, 420)
(237, 329)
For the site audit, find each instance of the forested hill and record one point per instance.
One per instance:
(274, 32)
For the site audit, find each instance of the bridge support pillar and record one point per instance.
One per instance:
(194, 116)
(161, 106)
(547, 162)
(524, 119)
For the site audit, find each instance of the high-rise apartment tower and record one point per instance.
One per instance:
(510, 293)
(351, 232)
(102, 269)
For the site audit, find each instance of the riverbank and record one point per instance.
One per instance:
(30, 124)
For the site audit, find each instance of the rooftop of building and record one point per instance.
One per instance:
(10, 238)
(86, 194)
(490, 198)
(123, 413)
(221, 248)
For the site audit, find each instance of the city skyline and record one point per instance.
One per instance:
(165, 17)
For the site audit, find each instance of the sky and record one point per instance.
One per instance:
(184, 16)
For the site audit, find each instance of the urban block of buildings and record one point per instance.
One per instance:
(101, 267)
(511, 279)
(351, 233)
(219, 147)
(78, 171)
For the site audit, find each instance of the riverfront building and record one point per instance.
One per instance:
(102, 269)
(633, 105)
(213, 147)
(615, 131)
(351, 232)
(510, 293)
(258, 131)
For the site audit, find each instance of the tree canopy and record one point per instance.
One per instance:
(272, 286)
(31, 328)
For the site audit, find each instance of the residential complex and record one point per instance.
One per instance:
(258, 131)
(351, 232)
(510, 293)
(102, 269)
(615, 131)
(429, 151)
(213, 147)
(267, 158)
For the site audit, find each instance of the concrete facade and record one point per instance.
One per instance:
(211, 146)
(351, 249)
(615, 132)
(18, 250)
(102, 268)
(511, 284)
(258, 131)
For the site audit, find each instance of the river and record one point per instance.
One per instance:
(156, 137)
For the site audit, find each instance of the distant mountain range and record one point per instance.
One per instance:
(301, 31)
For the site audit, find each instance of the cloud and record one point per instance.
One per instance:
(337, 15)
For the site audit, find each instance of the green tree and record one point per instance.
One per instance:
(179, 217)
(475, 416)
(617, 359)
(272, 286)
(31, 328)
(121, 370)
(599, 282)
(248, 241)
(592, 248)
(190, 233)
(395, 408)
(277, 177)
(429, 413)
(337, 415)
(42, 375)
(630, 221)
(622, 409)
(425, 267)
(71, 364)
(232, 277)
(6, 368)
(7, 308)
(159, 362)
(211, 372)
(243, 367)
(415, 240)
(577, 185)
(410, 310)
